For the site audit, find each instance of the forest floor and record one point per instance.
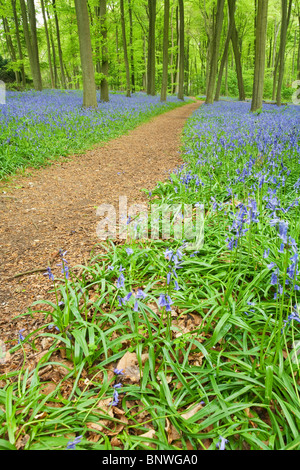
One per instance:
(55, 208)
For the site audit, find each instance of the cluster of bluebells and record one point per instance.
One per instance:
(30, 119)
(116, 387)
(263, 152)
(174, 258)
(246, 215)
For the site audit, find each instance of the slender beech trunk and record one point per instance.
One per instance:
(48, 45)
(10, 46)
(172, 50)
(180, 94)
(20, 52)
(31, 43)
(128, 91)
(34, 41)
(260, 48)
(60, 56)
(52, 48)
(215, 52)
(151, 48)
(237, 55)
(131, 47)
(298, 57)
(285, 16)
(224, 59)
(164, 85)
(86, 56)
(104, 93)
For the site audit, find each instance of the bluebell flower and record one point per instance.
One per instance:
(140, 294)
(274, 278)
(115, 395)
(21, 337)
(283, 227)
(129, 251)
(72, 444)
(266, 253)
(49, 274)
(120, 281)
(221, 444)
(118, 371)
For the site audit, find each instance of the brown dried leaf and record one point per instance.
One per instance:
(192, 411)
(172, 432)
(129, 365)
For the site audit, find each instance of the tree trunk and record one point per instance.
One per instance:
(172, 50)
(151, 48)
(164, 85)
(31, 42)
(298, 57)
(281, 52)
(180, 94)
(283, 31)
(237, 55)
(225, 53)
(60, 56)
(260, 49)
(35, 49)
(104, 93)
(10, 46)
(131, 46)
(48, 45)
(85, 45)
(13, 3)
(53, 48)
(215, 52)
(128, 92)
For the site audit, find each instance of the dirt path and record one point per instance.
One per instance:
(55, 208)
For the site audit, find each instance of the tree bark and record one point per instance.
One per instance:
(13, 3)
(215, 52)
(85, 45)
(31, 42)
(128, 90)
(225, 54)
(131, 47)
(164, 85)
(10, 46)
(180, 94)
(104, 93)
(48, 45)
(283, 31)
(60, 56)
(151, 48)
(285, 14)
(237, 56)
(260, 48)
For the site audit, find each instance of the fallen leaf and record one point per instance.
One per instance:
(172, 432)
(129, 365)
(191, 411)
(149, 434)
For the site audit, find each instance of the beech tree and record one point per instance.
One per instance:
(260, 48)
(215, 52)
(180, 94)
(151, 48)
(164, 86)
(31, 41)
(104, 92)
(128, 92)
(88, 73)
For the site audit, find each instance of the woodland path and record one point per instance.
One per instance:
(55, 208)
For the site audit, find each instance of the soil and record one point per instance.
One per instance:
(55, 207)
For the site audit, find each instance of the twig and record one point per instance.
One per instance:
(36, 270)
